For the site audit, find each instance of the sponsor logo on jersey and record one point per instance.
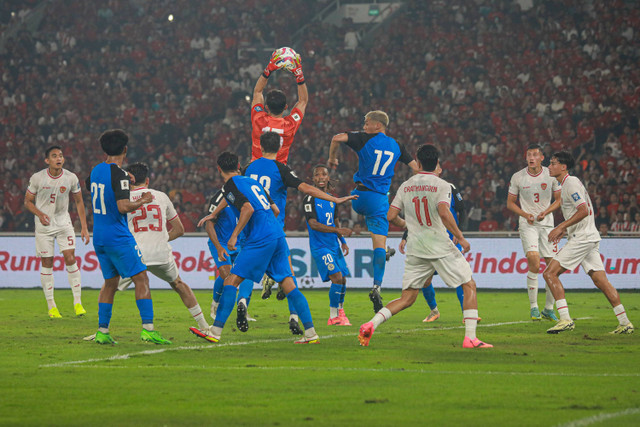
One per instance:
(295, 117)
(257, 109)
(544, 186)
(62, 190)
(307, 208)
(124, 184)
(231, 197)
(575, 197)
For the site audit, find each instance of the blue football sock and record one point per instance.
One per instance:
(342, 293)
(302, 307)
(292, 308)
(217, 288)
(335, 291)
(245, 289)
(430, 295)
(379, 261)
(145, 307)
(104, 314)
(227, 302)
(460, 293)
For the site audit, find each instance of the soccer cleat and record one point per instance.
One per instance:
(561, 326)
(339, 321)
(549, 315)
(390, 252)
(54, 313)
(207, 335)
(345, 319)
(153, 336)
(280, 295)
(366, 331)
(308, 340)
(376, 299)
(241, 319)
(474, 343)
(79, 309)
(214, 309)
(267, 284)
(294, 327)
(433, 316)
(535, 314)
(623, 329)
(102, 338)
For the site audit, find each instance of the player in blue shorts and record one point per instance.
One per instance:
(276, 178)
(327, 243)
(224, 259)
(377, 158)
(265, 248)
(115, 246)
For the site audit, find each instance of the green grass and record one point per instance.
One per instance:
(411, 372)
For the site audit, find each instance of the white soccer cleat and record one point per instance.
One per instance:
(562, 326)
(623, 329)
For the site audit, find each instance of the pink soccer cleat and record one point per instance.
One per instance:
(207, 335)
(474, 343)
(366, 331)
(345, 319)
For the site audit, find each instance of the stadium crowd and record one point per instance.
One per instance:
(480, 79)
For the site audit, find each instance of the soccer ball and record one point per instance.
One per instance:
(286, 58)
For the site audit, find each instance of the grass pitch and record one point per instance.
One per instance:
(412, 373)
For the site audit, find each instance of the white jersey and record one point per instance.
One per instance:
(573, 196)
(419, 197)
(535, 193)
(52, 198)
(148, 224)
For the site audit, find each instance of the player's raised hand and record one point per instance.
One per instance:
(44, 219)
(270, 68)
(340, 200)
(466, 247)
(333, 163)
(296, 69)
(147, 197)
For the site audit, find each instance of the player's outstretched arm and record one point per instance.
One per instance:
(319, 194)
(223, 204)
(334, 147)
(552, 207)
(29, 200)
(513, 207)
(323, 228)
(450, 223)
(126, 205)
(177, 228)
(556, 234)
(303, 98)
(258, 96)
(84, 230)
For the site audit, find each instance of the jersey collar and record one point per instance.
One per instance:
(538, 174)
(427, 173)
(55, 177)
(564, 179)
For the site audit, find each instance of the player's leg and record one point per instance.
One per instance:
(67, 243)
(294, 319)
(379, 264)
(105, 306)
(244, 296)
(547, 250)
(460, 295)
(301, 305)
(218, 285)
(551, 276)
(547, 313)
(533, 261)
(335, 294)
(429, 294)
(44, 249)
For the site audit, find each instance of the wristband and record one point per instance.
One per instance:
(341, 238)
(405, 234)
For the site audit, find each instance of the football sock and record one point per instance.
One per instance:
(244, 291)
(104, 316)
(460, 294)
(549, 299)
(145, 307)
(73, 273)
(301, 306)
(381, 316)
(379, 262)
(430, 295)
(618, 310)
(532, 289)
(294, 317)
(197, 315)
(470, 323)
(217, 288)
(563, 309)
(227, 302)
(292, 308)
(334, 298)
(343, 292)
(46, 279)
(310, 332)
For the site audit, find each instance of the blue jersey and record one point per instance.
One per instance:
(108, 183)
(263, 225)
(226, 222)
(377, 158)
(322, 211)
(275, 177)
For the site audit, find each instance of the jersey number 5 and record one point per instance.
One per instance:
(425, 203)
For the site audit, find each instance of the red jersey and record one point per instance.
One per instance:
(286, 127)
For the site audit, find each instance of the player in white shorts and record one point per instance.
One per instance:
(148, 225)
(424, 199)
(539, 195)
(47, 197)
(582, 248)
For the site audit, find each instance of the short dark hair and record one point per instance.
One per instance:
(140, 172)
(114, 141)
(428, 157)
(270, 142)
(313, 171)
(276, 101)
(228, 161)
(50, 149)
(565, 158)
(534, 147)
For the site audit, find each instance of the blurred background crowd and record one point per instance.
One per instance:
(481, 79)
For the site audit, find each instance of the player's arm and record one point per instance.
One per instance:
(394, 218)
(177, 228)
(29, 200)
(319, 194)
(557, 233)
(120, 184)
(303, 97)
(258, 96)
(126, 205)
(323, 228)
(214, 215)
(210, 228)
(245, 215)
(334, 148)
(84, 230)
(450, 223)
(406, 158)
(553, 206)
(513, 207)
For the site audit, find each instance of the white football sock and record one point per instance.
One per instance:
(381, 316)
(46, 279)
(563, 309)
(549, 300)
(147, 326)
(333, 312)
(532, 289)
(294, 317)
(73, 272)
(310, 333)
(470, 323)
(621, 314)
(197, 315)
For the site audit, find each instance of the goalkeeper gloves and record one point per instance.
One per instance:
(271, 67)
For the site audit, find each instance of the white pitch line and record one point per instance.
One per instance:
(230, 344)
(600, 417)
(378, 370)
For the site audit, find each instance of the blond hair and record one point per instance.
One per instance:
(379, 116)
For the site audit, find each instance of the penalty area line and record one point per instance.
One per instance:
(242, 343)
(600, 417)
